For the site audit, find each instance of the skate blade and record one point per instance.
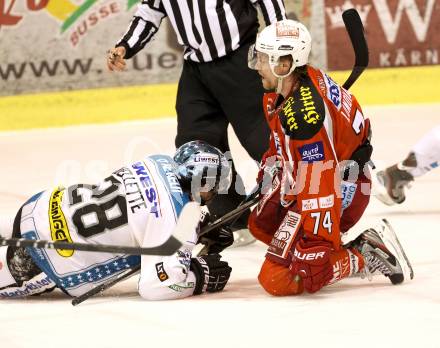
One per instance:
(389, 237)
(385, 198)
(379, 191)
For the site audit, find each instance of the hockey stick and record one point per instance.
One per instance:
(168, 248)
(355, 30)
(231, 217)
(234, 214)
(254, 196)
(108, 284)
(189, 217)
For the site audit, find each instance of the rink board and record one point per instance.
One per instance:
(374, 87)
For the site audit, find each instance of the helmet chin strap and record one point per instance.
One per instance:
(280, 78)
(279, 84)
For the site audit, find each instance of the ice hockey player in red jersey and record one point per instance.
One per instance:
(319, 177)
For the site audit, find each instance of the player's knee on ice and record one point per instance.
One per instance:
(158, 292)
(277, 280)
(151, 293)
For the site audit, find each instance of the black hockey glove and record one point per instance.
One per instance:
(217, 240)
(211, 273)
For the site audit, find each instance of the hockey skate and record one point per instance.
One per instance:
(393, 181)
(383, 253)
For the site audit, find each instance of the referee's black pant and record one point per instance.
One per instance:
(213, 95)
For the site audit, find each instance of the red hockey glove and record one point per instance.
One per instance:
(311, 261)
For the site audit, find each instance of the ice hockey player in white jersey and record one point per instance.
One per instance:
(137, 205)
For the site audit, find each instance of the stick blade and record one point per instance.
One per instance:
(355, 30)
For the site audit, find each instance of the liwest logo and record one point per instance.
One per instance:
(57, 222)
(312, 152)
(206, 158)
(77, 16)
(148, 187)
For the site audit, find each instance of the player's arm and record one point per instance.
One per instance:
(272, 10)
(145, 24)
(270, 163)
(264, 219)
(182, 275)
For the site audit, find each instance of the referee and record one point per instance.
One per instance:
(216, 87)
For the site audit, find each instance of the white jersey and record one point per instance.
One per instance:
(427, 152)
(137, 205)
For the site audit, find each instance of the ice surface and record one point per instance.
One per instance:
(354, 312)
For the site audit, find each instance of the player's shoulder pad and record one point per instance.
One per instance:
(302, 113)
(331, 90)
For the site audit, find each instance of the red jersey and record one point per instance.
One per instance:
(314, 129)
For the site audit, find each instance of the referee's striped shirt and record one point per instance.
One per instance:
(207, 29)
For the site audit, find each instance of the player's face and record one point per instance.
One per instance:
(207, 196)
(268, 79)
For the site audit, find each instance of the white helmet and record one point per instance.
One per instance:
(283, 38)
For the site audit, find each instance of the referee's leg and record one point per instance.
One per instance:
(200, 117)
(240, 92)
